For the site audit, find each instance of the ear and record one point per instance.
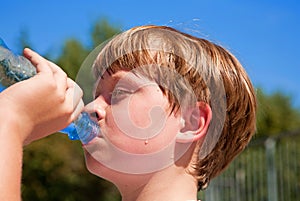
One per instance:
(195, 123)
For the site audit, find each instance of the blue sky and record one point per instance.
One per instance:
(263, 34)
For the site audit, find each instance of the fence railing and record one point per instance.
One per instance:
(267, 170)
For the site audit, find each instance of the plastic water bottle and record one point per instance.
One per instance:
(15, 68)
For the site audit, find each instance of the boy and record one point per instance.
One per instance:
(174, 111)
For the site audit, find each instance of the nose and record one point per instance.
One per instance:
(96, 108)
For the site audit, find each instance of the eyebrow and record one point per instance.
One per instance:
(131, 79)
(97, 89)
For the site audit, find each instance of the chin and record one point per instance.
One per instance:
(93, 165)
(98, 169)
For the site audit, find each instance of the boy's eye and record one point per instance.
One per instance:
(119, 94)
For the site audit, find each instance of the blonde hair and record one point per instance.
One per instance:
(195, 66)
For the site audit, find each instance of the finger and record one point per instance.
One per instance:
(73, 94)
(78, 109)
(55, 68)
(78, 93)
(61, 79)
(38, 61)
(71, 83)
(75, 89)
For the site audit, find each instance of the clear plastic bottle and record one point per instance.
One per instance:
(15, 68)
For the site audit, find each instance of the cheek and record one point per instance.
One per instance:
(140, 123)
(146, 115)
(140, 128)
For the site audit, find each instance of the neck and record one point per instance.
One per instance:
(173, 183)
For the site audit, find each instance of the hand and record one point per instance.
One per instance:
(43, 104)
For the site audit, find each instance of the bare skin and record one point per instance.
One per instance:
(33, 109)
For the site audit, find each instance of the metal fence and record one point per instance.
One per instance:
(267, 170)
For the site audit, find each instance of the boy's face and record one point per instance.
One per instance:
(135, 122)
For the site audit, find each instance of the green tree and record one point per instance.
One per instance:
(276, 114)
(24, 39)
(103, 31)
(73, 54)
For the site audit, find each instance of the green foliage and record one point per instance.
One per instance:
(74, 53)
(72, 56)
(24, 39)
(103, 31)
(276, 114)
